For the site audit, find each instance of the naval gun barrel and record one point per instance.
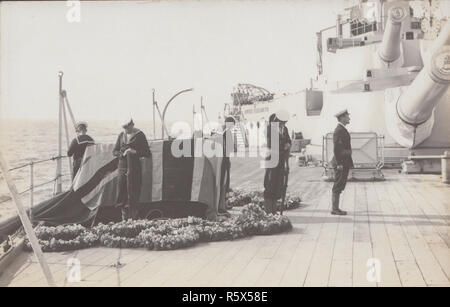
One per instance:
(416, 104)
(414, 118)
(390, 46)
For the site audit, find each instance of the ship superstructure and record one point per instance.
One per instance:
(388, 62)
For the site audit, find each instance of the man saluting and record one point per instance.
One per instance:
(342, 158)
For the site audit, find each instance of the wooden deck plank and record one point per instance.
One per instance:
(251, 273)
(297, 270)
(130, 270)
(173, 266)
(437, 192)
(401, 250)
(362, 241)
(341, 271)
(430, 228)
(278, 263)
(381, 245)
(410, 274)
(156, 272)
(341, 274)
(258, 264)
(403, 222)
(209, 272)
(430, 268)
(234, 268)
(425, 205)
(324, 233)
(184, 276)
(362, 251)
(343, 248)
(320, 266)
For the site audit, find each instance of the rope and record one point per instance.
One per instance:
(37, 162)
(35, 186)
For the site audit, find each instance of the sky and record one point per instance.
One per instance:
(119, 51)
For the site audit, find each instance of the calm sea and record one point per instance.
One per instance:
(22, 141)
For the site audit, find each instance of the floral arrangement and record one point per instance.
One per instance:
(165, 237)
(239, 198)
(64, 238)
(62, 232)
(226, 230)
(255, 221)
(162, 234)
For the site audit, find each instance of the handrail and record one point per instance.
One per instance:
(32, 185)
(36, 162)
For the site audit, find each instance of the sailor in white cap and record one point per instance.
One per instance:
(282, 115)
(131, 145)
(78, 146)
(126, 121)
(342, 159)
(275, 178)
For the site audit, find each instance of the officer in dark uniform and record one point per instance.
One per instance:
(131, 145)
(274, 176)
(342, 159)
(78, 146)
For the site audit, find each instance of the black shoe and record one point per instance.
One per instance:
(338, 212)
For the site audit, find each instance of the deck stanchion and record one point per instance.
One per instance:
(26, 222)
(31, 189)
(58, 162)
(201, 112)
(154, 114)
(193, 119)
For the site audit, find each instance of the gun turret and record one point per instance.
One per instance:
(412, 119)
(390, 47)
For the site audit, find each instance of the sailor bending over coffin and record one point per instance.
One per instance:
(131, 145)
(78, 146)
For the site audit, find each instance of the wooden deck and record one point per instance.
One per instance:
(402, 223)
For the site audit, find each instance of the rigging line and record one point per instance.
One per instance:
(34, 186)
(36, 162)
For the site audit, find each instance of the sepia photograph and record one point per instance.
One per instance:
(228, 151)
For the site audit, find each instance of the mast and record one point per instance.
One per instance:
(58, 161)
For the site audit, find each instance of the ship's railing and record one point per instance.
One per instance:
(32, 185)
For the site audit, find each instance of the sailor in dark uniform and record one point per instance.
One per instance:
(78, 146)
(228, 149)
(131, 145)
(342, 159)
(274, 176)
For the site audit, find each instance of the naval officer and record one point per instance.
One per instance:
(342, 159)
(78, 146)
